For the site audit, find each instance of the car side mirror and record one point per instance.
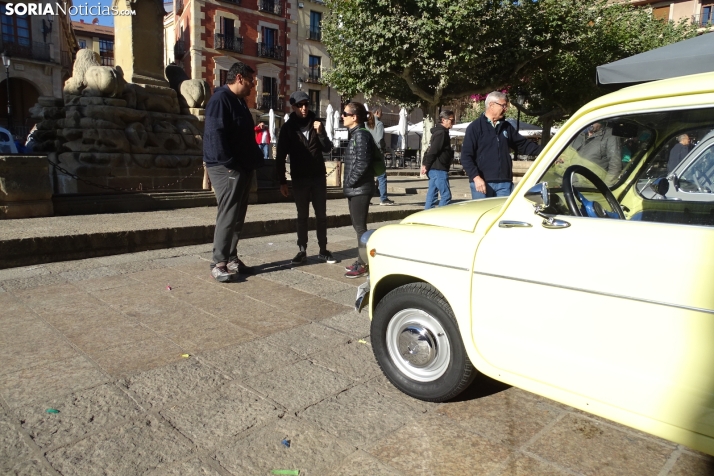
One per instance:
(538, 195)
(660, 186)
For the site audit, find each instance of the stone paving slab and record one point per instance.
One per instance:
(209, 379)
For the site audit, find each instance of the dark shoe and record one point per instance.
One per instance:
(299, 258)
(221, 274)
(352, 266)
(387, 202)
(237, 266)
(326, 257)
(357, 272)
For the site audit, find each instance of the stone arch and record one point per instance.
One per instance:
(23, 96)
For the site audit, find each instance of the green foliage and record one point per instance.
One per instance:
(429, 52)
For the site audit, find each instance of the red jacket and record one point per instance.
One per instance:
(259, 134)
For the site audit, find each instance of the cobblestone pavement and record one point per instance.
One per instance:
(156, 369)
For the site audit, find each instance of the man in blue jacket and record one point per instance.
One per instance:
(230, 154)
(485, 152)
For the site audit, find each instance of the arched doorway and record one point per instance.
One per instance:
(23, 95)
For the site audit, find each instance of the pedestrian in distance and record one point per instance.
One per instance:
(679, 152)
(262, 137)
(358, 185)
(304, 139)
(485, 152)
(230, 154)
(437, 162)
(376, 127)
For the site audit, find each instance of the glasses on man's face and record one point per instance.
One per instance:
(248, 80)
(503, 106)
(346, 114)
(301, 105)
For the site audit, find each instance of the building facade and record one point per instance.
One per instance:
(96, 37)
(40, 51)
(700, 12)
(211, 35)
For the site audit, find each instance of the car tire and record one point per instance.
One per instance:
(417, 343)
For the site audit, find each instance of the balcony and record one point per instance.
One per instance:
(313, 74)
(227, 42)
(270, 51)
(179, 49)
(315, 33)
(26, 49)
(179, 6)
(266, 103)
(704, 21)
(234, 2)
(106, 58)
(270, 6)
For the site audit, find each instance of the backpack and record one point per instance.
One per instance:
(378, 165)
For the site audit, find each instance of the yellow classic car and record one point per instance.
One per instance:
(590, 285)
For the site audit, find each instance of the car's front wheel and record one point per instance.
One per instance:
(417, 344)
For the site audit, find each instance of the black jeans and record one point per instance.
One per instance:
(359, 209)
(232, 188)
(306, 190)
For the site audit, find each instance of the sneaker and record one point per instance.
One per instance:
(299, 258)
(237, 266)
(359, 271)
(221, 274)
(326, 257)
(387, 202)
(352, 266)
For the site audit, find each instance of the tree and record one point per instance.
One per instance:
(428, 52)
(591, 34)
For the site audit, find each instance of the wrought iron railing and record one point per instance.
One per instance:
(266, 103)
(315, 33)
(107, 58)
(313, 74)
(227, 42)
(703, 21)
(271, 6)
(270, 51)
(26, 49)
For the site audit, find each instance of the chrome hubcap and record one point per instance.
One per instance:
(418, 345)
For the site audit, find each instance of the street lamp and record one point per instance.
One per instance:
(6, 63)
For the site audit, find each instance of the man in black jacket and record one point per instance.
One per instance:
(230, 154)
(485, 152)
(304, 139)
(437, 162)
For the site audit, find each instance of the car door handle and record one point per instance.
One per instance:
(513, 224)
(554, 224)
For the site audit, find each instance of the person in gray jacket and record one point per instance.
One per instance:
(358, 185)
(375, 126)
(599, 146)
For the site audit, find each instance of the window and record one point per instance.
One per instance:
(270, 94)
(16, 33)
(707, 15)
(659, 165)
(314, 100)
(82, 44)
(270, 36)
(106, 52)
(315, 26)
(313, 72)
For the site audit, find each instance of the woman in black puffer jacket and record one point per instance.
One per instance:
(359, 176)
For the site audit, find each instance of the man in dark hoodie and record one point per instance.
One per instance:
(304, 139)
(230, 154)
(485, 153)
(437, 162)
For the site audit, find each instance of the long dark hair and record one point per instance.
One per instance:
(372, 116)
(357, 108)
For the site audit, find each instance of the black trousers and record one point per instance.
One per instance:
(232, 188)
(306, 190)
(359, 209)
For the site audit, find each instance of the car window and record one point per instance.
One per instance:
(659, 165)
(4, 137)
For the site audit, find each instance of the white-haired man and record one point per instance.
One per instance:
(485, 152)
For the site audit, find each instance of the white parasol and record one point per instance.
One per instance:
(402, 127)
(271, 126)
(329, 128)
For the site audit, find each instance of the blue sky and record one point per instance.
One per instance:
(107, 20)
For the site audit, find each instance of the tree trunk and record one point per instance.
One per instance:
(547, 124)
(431, 112)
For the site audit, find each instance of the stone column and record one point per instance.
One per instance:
(139, 41)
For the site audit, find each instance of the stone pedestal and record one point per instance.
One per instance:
(139, 41)
(25, 189)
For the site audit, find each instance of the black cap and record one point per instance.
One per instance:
(298, 96)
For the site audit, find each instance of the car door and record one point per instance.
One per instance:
(615, 316)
